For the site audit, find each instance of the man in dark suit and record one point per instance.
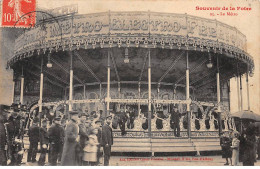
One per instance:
(122, 120)
(44, 141)
(34, 137)
(3, 135)
(107, 139)
(56, 139)
(175, 121)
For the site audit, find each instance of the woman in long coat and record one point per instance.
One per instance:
(225, 143)
(69, 154)
(235, 149)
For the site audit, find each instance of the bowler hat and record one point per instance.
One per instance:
(98, 121)
(109, 116)
(57, 119)
(83, 114)
(73, 112)
(44, 121)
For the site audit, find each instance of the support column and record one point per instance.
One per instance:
(149, 94)
(41, 93)
(71, 83)
(218, 99)
(188, 94)
(158, 92)
(119, 94)
(241, 91)
(174, 95)
(100, 90)
(65, 100)
(13, 90)
(228, 85)
(84, 94)
(22, 87)
(139, 97)
(108, 82)
(238, 93)
(247, 84)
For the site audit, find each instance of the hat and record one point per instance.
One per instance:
(44, 121)
(98, 121)
(93, 113)
(14, 107)
(73, 112)
(36, 120)
(57, 119)
(109, 116)
(83, 114)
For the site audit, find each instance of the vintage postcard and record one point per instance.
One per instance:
(129, 83)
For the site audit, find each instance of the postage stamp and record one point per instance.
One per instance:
(18, 13)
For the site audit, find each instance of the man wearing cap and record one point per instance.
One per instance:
(44, 140)
(56, 139)
(69, 156)
(107, 139)
(14, 133)
(34, 137)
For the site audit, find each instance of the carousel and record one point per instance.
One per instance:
(141, 63)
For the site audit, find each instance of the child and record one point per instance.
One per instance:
(91, 148)
(235, 149)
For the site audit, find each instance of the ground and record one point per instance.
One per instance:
(158, 161)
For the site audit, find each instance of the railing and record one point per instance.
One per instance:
(206, 126)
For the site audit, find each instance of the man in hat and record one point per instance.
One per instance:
(121, 121)
(175, 121)
(56, 140)
(69, 156)
(84, 131)
(44, 140)
(107, 139)
(34, 137)
(13, 126)
(3, 135)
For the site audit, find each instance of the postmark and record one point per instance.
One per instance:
(13, 13)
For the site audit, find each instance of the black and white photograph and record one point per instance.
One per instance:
(129, 83)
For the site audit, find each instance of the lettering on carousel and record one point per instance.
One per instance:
(68, 27)
(85, 26)
(119, 24)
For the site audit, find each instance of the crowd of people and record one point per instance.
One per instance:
(76, 141)
(241, 147)
(81, 139)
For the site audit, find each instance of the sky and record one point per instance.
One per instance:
(247, 22)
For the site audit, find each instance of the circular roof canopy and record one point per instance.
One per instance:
(169, 36)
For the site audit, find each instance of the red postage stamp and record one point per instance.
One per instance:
(18, 13)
